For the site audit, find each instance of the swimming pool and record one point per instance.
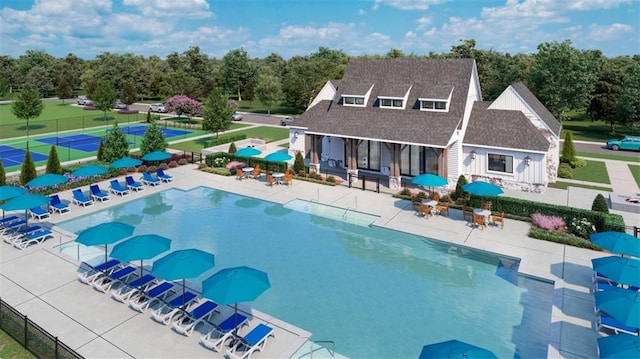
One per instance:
(375, 292)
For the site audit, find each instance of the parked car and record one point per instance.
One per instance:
(626, 143)
(82, 100)
(120, 105)
(237, 116)
(157, 107)
(286, 121)
(89, 103)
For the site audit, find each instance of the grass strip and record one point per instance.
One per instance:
(565, 185)
(594, 171)
(609, 157)
(635, 172)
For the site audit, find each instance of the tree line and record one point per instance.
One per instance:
(562, 77)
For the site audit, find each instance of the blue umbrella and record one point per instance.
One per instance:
(126, 162)
(429, 180)
(181, 264)
(482, 188)
(140, 247)
(619, 346)
(89, 171)
(105, 233)
(278, 157)
(233, 285)
(619, 269)
(157, 156)
(25, 202)
(48, 180)
(248, 152)
(455, 349)
(8, 192)
(617, 242)
(622, 304)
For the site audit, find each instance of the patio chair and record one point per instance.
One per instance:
(92, 273)
(80, 199)
(424, 211)
(200, 314)
(498, 218)
(270, 179)
(254, 341)
(106, 282)
(38, 213)
(486, 205)
(605, 322)
(256, 171)
(220, 333)
(415, 203)
(36, 237)
(467, 212)
(443, 207)
(163, 176)
(141, 301)
(57, 205)
(479, 221)
(116, 188)
(98, 194)
(239, 173)
(149, 180)
(288, 178)
(133, 184)
(124, 292)
(165, 313)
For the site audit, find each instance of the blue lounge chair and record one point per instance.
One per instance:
(254, 341)
(607, 322)
(80, 199)
(57, 205)
(20, 233)
(215, 339)
(36, 237)
(163, 176)
(166, 312)
(8, 219)
(188, 323)
(149, 180)
(12, 226)
(98, 194)
(133, 184)
(92, 273)
(142, 301)
(106, 282)
(123, 293)
(117, 189)
(38, 213)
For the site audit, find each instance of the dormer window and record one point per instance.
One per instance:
(391, 103)
(436, 98)
(394, 96)
(353, 101)
(433, 105)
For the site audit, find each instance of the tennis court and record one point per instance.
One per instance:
(140, 129)
(81, 142)
(12, 156)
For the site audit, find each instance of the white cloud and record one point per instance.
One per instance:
(423, 22)
(408, 4)
(596, 4)
(613, 31)
(193, 9)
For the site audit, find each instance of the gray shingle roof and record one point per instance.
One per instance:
(356, 88)
(538, 107)
(503, 128)
(409, 125)
(394, 90)
(436, 92)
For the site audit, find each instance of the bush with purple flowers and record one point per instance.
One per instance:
(550, 223)
(183, 105)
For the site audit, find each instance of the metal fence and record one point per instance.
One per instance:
(31, 336)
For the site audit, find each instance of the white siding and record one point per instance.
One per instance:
(326, 93)
(453, 167)
(296, 141)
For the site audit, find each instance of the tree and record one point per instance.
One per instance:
(216, 116)
(28, 170)
(563, 77)
(628, 106)
(183, 105)
(53, 163)
(269, 89)
(129, 94)
(459, 192)
(39, 77)
(104, 98)
(115, 146)
(63, 89)
(232, 148)
(153, 140)
(100, 153)
(26, 105)
(237, 70)
(607, 90)
(298, 164)
(568, 150)
(3, 175)
(600, 204)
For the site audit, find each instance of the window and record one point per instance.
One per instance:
(391, 103)
(433, 105)
(369, 155)
(500, 163)
(353, 101)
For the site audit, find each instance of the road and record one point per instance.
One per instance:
(596, 147)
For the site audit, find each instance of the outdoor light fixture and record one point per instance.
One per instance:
(296, 134)
(527, 160)
(473, 155)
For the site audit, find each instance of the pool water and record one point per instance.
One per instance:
(375, 292)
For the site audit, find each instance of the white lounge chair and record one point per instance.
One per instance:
(34, 238)
(57, 205)
(251, 342)
(105, 283)
(188, 323)
(88, 274)
(142, 301)
(149, 180)
(165, 313)
(116, 188)
(38, 213)
(124, 292)
(98, 194)
(220, 333)
(607, 322)
(162, 176)
(80, 199)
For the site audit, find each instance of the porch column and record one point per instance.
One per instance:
(352, 160)
(395, 180)
(314, 158)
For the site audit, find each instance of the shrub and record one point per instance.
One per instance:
(232, 148)
(568, 150)
(127, 112)
(298, 164)
(131, 169)
(578, 162)
(549, 223)
(183, 161)
(561, 237)
(420, 196)
(581, 227)
(28, 170)
(152, 169)
(53, 163)
(173, 164)
(3, 175)
(565, 170)
(142, 168)
(202, 166)
(164, 166)
(459, 193)
(90, 108)
(405, 192)
(600, 204)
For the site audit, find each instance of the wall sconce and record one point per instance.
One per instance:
(296, 134)
(473, 155)
(527, 160)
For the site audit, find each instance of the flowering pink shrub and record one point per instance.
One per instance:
(550, 223)
(232, 104)
(183, 105)
(90, 108)
(233, 164)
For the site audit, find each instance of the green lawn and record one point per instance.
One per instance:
(597, 131)
(616, 157)
(594, 171)
(267, 133)
(635, 171)
(11, 349)
(257, 107)
(565, 185)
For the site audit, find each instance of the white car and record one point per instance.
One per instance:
(286, 121)
(237, 116)
(82, 100)
(157, 107)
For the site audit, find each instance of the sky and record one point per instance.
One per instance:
(87, 28)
